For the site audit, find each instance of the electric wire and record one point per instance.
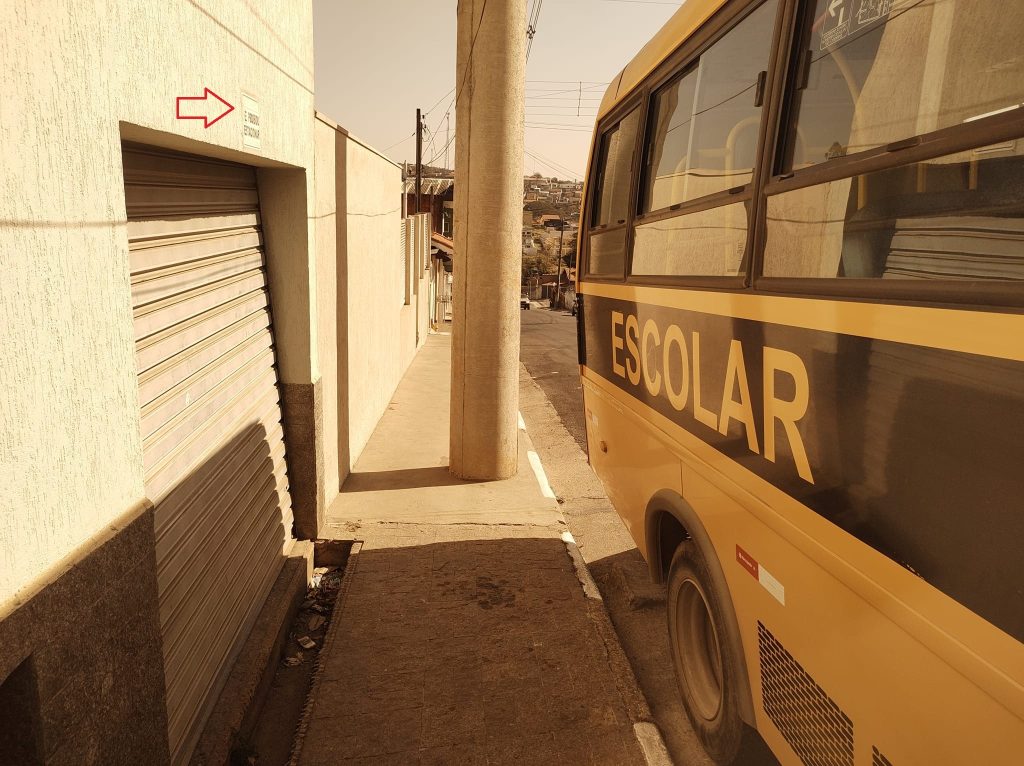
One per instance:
(559, 169)
(531, 27)
(401, 141)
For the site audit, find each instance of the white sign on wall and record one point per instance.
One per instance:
(250, 122)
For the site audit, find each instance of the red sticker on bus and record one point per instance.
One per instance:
(747, 561)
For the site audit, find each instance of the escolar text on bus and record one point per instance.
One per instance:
(646, 353)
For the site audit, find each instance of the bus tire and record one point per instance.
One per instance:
(706, 665)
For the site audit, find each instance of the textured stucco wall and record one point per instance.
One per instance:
(376, 331)
(326, 207)
(70, 72)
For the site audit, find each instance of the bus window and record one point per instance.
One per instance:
(709, 243)
(705, 124)
(887, 71)
(666, 172)
(607, 251)
(954, 217)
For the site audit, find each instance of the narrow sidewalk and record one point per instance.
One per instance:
(463, 634)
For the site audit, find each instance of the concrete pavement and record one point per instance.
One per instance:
(463, 633)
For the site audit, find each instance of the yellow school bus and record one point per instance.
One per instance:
(802, 351)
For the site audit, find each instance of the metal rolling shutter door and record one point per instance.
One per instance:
(213, 446)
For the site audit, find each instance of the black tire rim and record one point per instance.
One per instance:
(698, 655)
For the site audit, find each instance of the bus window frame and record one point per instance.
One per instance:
(608, 123)
(782, 88)
(724, 20)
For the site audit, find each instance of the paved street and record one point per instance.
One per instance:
(548, 349)
(552, 406)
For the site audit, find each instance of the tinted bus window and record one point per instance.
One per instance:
(611, 202)
(709, 243)
(705, 124)
(954, 217)
(607, 250)
(881, 71)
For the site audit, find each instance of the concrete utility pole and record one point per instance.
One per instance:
(558, 266)
(490, 81)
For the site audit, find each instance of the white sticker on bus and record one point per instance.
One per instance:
(762, 575)
(771, 585)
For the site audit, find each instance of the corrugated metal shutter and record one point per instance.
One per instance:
(211, 420)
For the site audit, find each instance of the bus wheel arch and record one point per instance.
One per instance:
(669, 523)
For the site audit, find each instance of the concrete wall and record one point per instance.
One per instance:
(76, 78)
(368, 335)
(333, 357)
(72, 83)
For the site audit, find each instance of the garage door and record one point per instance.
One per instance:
(211, 420)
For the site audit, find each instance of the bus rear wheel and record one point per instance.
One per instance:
(706, 666)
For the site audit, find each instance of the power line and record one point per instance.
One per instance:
(458, 91)
(439, 101)
(411, 135)
(469, 59)
(430, 146)
(531, 27)
(551, 161)
(442, 150)
(560, 124)
(553, 127)
(560, 169)
(589, 117)
(562, 98)
(555, 85)
(447, 111)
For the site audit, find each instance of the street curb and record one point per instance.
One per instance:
(580, 565)
(655, 752)
(328, 645)
(646, 731)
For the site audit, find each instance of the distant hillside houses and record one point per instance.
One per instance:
(540, 189)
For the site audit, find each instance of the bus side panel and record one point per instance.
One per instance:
(900, 697)
(631, 462)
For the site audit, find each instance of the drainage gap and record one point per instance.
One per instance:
(270, 743)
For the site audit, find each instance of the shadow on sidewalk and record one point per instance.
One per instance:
(402, 478)
(450, 650)
(637, 610)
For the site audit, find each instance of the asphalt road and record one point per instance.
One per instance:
(548, 349)
(635, 605)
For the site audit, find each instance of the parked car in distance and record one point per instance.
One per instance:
(524, 302)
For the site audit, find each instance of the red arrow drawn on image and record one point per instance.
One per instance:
(207, 102)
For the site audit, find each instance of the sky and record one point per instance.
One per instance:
(378, 60)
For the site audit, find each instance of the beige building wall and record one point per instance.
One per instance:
(74, 79)
(76, 535)
(367, 334)
(328, 182)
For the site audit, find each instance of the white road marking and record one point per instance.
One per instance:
(538, 470)
(582, 571)
(655, 752)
